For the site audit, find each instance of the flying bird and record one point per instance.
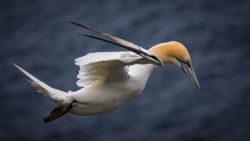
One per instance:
(109, 79)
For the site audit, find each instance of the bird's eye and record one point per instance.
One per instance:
(188, 63)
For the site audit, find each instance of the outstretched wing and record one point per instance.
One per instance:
(122, 43)
(103, 67)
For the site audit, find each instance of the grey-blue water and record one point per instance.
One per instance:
(35, 35)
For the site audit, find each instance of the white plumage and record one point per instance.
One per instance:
(102, 66)
(109, 79)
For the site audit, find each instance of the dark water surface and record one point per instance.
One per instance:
(34, 35)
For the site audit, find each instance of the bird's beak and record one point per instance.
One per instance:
(188, 69)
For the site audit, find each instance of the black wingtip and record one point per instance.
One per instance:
(74, 23)
(88, 28)
(70, 22)
(98, 38)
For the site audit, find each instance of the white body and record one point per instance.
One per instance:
(109, 79)
(107, 96)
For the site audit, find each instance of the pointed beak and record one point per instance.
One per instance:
(188, 69)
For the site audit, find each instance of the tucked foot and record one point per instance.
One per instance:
(57, 112)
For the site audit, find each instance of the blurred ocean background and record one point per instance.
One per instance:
(35, 35)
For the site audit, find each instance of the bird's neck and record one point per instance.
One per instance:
(141, 73)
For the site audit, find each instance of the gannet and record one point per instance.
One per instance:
(109, 79)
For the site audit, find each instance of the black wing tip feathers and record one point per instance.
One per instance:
(73, 23)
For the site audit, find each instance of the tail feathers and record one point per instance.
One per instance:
(58, 96)
(39, 85)
(39, 89)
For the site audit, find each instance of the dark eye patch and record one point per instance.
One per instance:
(185, 62)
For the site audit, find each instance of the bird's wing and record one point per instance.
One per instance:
(105, 67)
(120, 42)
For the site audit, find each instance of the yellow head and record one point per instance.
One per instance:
(169, 52)
(176, 53)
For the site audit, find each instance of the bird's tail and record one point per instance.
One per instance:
(58, 96)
